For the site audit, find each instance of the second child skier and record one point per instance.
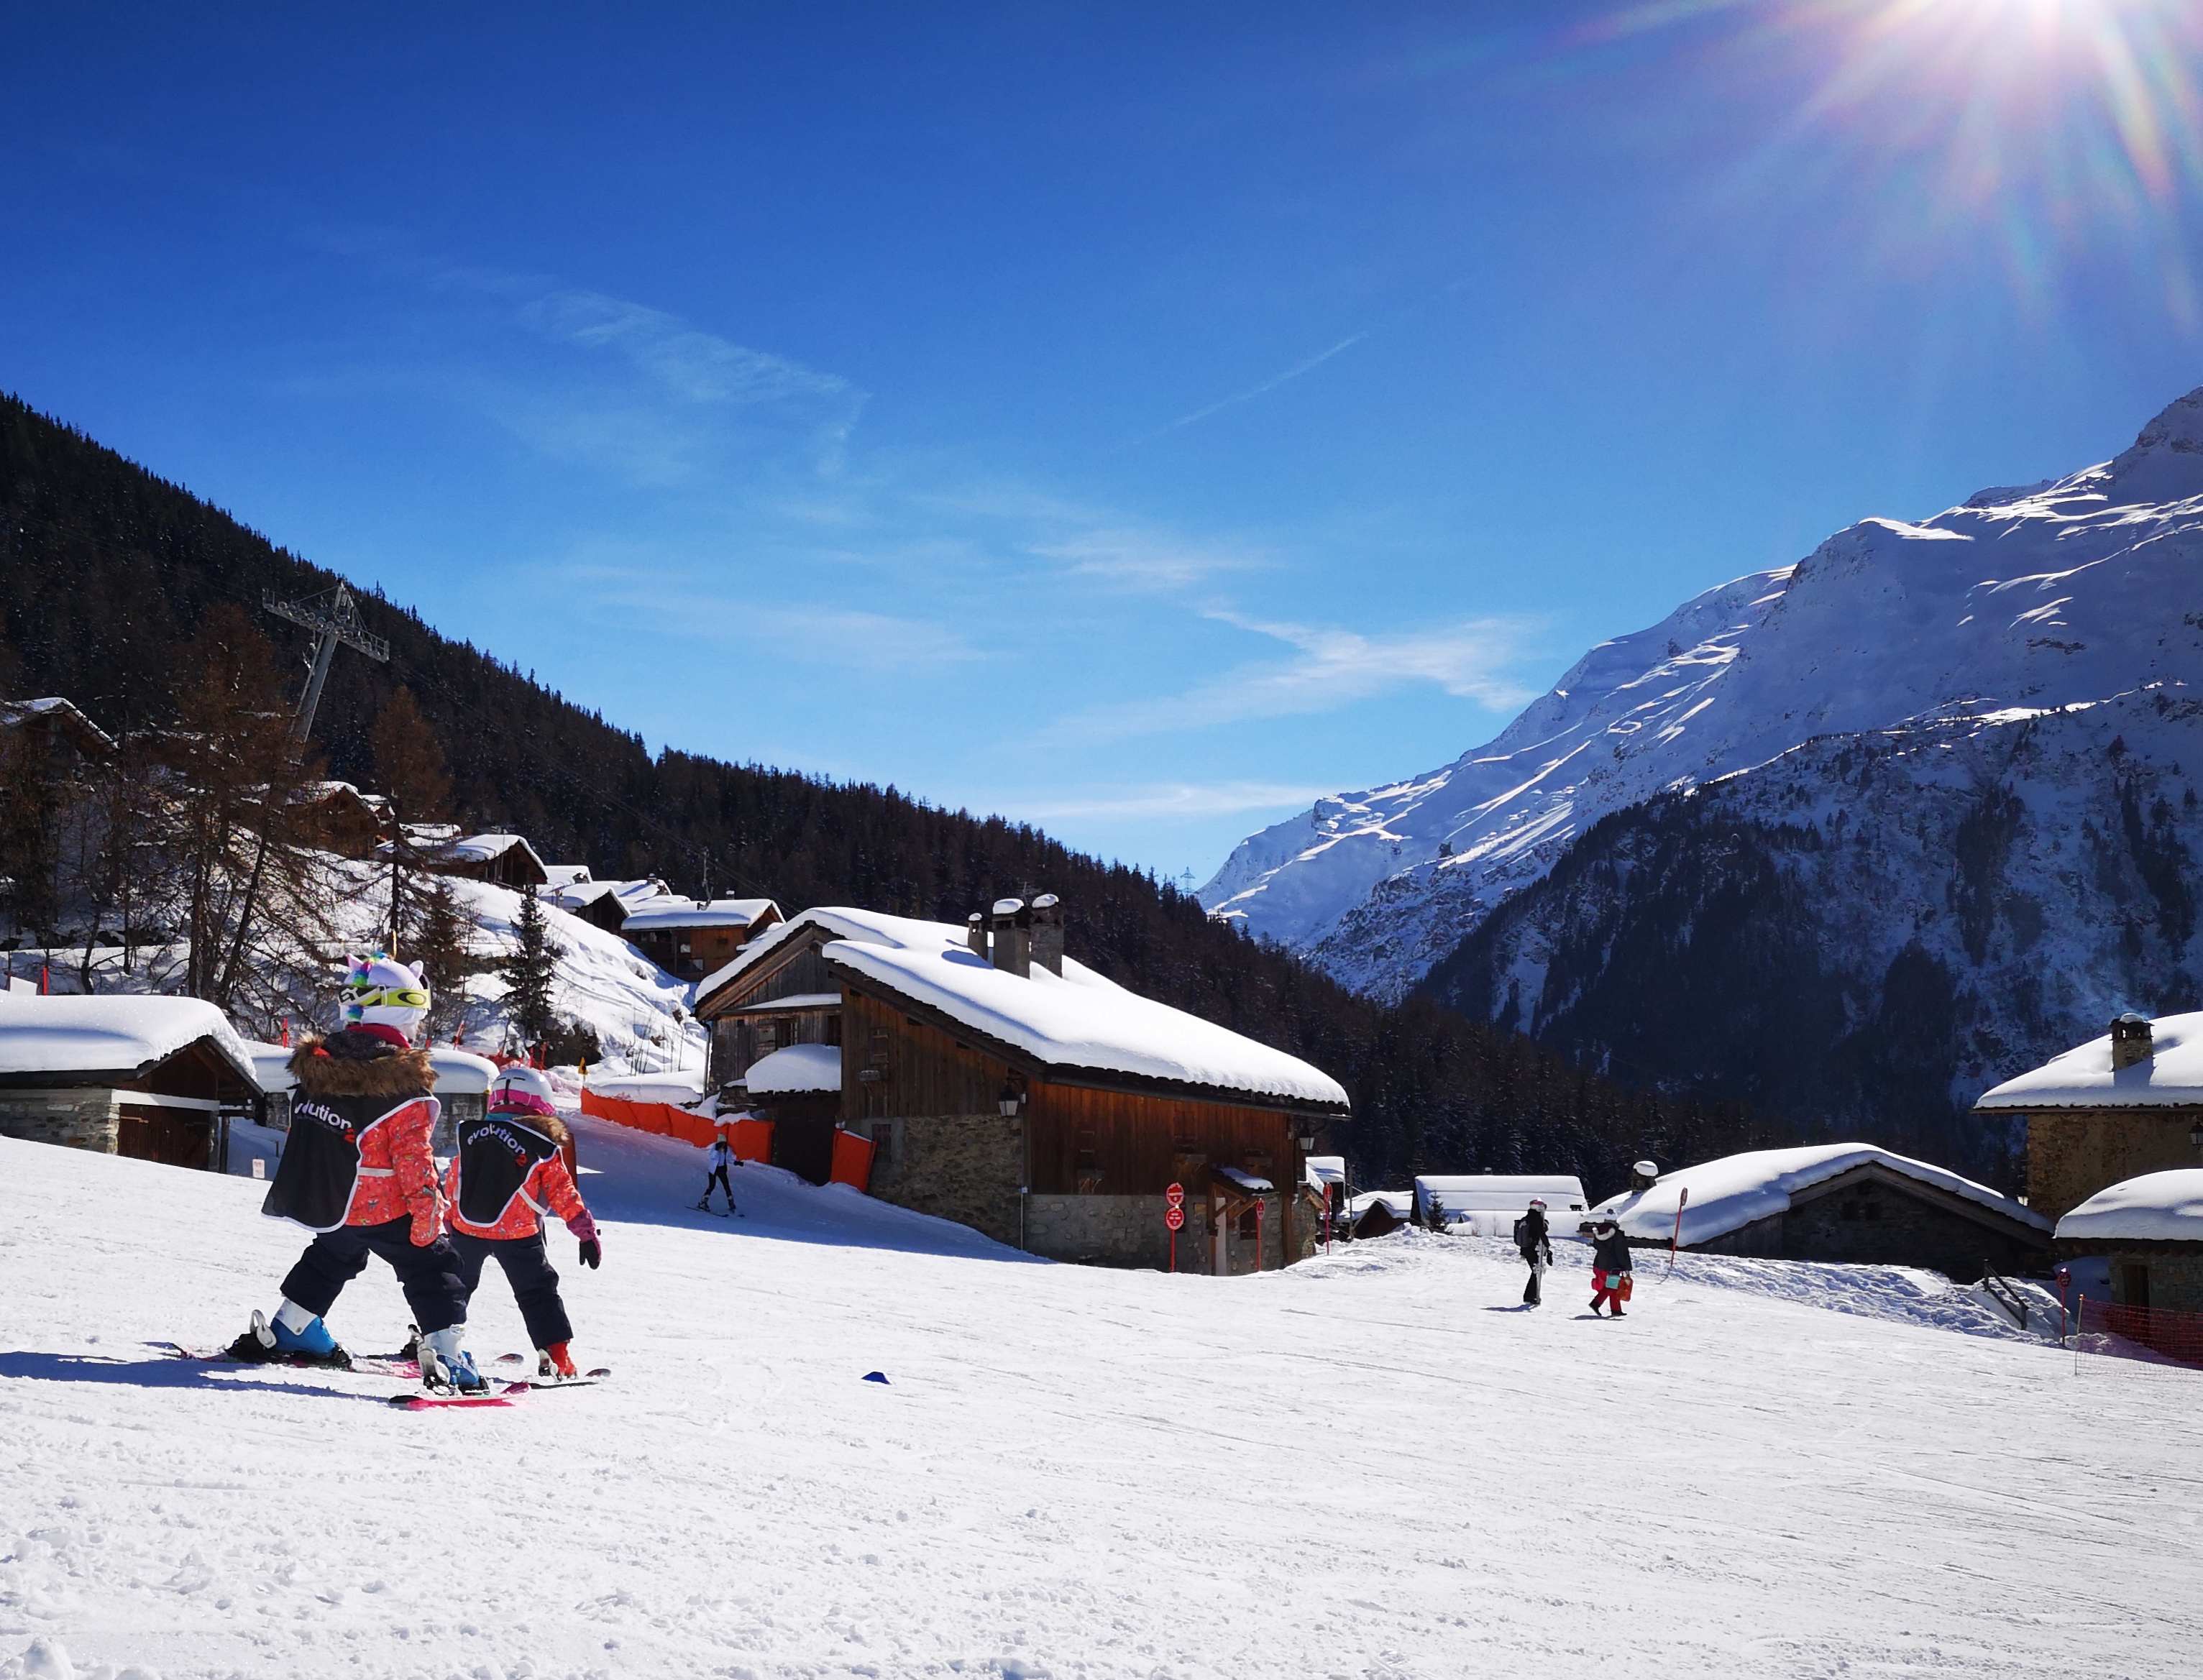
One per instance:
(1611, 1271)
(1531, 1237)
(357, 1172)
(510, 1170)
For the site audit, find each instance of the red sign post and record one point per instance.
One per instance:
(1681, 1202)
(1174, 1218)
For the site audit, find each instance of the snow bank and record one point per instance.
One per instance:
(1729, 1193)
(2156, 1207)
(798, 1068)
(122, 1036)
(2082, 1078)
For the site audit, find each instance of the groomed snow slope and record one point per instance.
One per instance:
(1073, 1473)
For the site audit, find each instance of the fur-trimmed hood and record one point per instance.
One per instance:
(335, 1067)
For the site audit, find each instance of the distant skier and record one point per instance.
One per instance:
(717, 1160)
(357, 1170)
(1611, 1265)
(1537, 1246)
(510, 1167)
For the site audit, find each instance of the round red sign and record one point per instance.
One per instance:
(1174, 1218)
(1175, 1195)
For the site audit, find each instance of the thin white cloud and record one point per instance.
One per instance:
(1175, 798)
(690, 363)
(1335, 668)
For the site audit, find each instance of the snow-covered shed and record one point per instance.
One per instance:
(2150, 1229)
(1490, 1203)
(342, 819)
(2126, 1104)
(602, 904)
(1374, 1212)
(503, 860)
(146, 1077)
(689, 936)
(54, 731)
(1007, 1085)
(1851, 1203)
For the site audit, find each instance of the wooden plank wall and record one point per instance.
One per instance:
(927, 1072)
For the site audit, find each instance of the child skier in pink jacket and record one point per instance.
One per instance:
(510, 1170)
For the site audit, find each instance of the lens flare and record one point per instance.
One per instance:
(2057, 128)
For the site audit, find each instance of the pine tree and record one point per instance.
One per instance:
(443, 945)
(528, 973)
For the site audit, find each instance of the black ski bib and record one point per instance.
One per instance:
(496, 1154)
(320, 1171)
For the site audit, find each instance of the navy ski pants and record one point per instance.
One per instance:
(429, 1276)
(528, 1269)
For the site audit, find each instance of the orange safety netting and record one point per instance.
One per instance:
(2158, 1336)
(751, 1140)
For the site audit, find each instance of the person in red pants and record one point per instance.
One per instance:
(510, 1170)
(1610, 1266)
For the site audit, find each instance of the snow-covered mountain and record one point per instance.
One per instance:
(2022, 601)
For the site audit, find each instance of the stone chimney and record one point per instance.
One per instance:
(1047, 933)
(1012, 926)
(2130, 1041)
(975, 932)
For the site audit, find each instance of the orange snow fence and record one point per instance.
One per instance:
(853, 1159)
(751, 1140)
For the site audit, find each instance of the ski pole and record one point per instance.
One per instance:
(1681, 1202)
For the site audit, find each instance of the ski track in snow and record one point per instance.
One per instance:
(1372, 1465)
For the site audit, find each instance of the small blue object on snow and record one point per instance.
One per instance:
(876, 1377)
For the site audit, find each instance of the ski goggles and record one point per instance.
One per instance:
(388, 996)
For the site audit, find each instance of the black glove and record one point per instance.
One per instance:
(592, 1253)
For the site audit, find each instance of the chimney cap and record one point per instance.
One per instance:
(2132, 1019)
(974, 917)
(1009, 906)
(1046, 901)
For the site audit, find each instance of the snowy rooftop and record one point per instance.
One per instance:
(120, 1036)
(456, 1070)
(798, 1068)
(1494, 1193)
(1400, 1202)
(2157, 1207)
(1324, 1169)
(62, 712)
(1253, 1183)
(672, 912)
(559, 876)
(2082, 1077)
(1079, 1022)
(678, 1088)
(1729, 1193)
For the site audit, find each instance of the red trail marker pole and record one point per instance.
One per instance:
(1174, 1218)
(1681, 1202)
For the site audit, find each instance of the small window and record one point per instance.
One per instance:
(1250, 1225)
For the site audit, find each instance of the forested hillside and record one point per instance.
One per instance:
(106, 571)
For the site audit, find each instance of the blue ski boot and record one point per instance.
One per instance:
(446, 1368)
(296, 1337)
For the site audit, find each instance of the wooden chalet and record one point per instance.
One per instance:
(1006, 1086)
(503, 860)
(690, 938)
(2128, 1102)
(342, 819)
(52, 735)
(151, 1078)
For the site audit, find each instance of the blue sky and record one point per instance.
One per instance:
(1139, 420)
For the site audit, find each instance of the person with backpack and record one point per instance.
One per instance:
(358, 1172)
(510, 1169)
(717, 1160)
(1531, 1237)
(1611, 1271)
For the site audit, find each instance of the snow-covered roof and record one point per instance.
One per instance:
(482, 848)
(869, 927)
(798, 1068)
(794, 1000)
(1253, 1183)
(1324, 1169)
(559, 876)
(1494, 1193)
(1729, 1193)
(456, 1070)
(1078, 1021)
(2081, 1077)
(2156, 1207)
(678, 1088)
(1400, 1202)
(123, 1037)
(56, 710)
(670, 911)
